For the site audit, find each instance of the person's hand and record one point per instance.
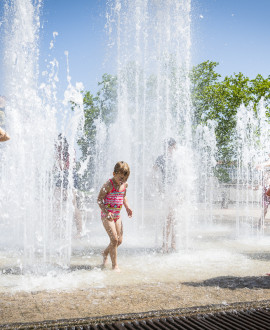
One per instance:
(3, 135)
(129, 212)
(109, 216)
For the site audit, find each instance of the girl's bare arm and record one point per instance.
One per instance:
(106, 188)
(3, 135)
(125, 202)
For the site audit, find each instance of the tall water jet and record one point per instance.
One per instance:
(238, 186)
(34, 225)
(206, 149)
(151, 40)
(252, 133)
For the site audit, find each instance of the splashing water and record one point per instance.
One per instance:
(151, 40)
(252, 133)
(33, 223)
(238, 195)
(206, 149)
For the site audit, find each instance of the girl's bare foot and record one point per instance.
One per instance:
(116, 269)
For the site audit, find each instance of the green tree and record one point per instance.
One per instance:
(91, 113)
(107, 98)
(203, 77)
(218, 99)
(100, 107)
(103, 107)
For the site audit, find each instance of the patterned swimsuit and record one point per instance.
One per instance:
(113, 202)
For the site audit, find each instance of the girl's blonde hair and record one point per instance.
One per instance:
(122, 167)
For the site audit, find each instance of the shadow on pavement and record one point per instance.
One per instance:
(234, 282)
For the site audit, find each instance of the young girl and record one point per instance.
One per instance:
(110, 200)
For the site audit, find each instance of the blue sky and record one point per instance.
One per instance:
(81, 31)
(234, 33)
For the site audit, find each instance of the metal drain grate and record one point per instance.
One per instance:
(251, 319)
(248, 319)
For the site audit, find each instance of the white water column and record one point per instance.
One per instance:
(152, 55)
(252, 136)
(35, 226)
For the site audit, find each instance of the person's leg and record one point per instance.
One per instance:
(170, 231)
(56, 209)
(77, 215)
(173, 232)
(110, 228)
(265, 211)
(262, 218)
(119, 230)
(166, 234)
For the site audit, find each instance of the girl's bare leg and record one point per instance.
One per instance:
(105, 254)
(108, 225)
(119, 229)
(114, 231)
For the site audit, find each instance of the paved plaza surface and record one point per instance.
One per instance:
(54, 305)
(220, 269)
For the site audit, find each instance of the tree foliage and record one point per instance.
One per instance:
(103, 107)
(218, 99)
(213, 98)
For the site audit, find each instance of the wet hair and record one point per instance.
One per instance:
(122, 167)
(168, 143)
(171, 142)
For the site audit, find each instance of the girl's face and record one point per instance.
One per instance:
(120, 178)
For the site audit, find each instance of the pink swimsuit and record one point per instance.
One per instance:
(113, 202)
